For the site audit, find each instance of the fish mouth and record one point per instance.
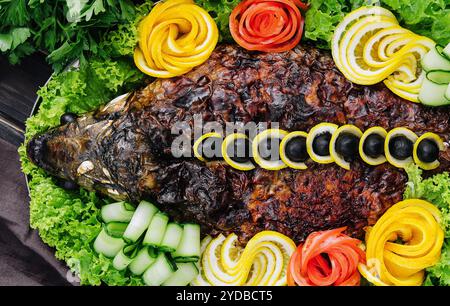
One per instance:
(37, 151)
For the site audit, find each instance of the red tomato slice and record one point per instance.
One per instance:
(326, 258)
(267, 25)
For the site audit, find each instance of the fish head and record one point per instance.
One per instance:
(76, 151)
(69, 150)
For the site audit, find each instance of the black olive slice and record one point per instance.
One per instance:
(374, 145)
(296, 150)
(347, 145)
(428, 151)
(269, 149)
(401, 147)
(210, 148)
(239, 150)
(321, 144)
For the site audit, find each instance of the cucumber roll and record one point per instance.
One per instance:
(189, 248)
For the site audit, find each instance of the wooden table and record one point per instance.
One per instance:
(24, 258)
(18, 86)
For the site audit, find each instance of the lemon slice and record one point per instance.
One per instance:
(440, 144)
(200, 280)
(284, 158)
(339, 159)
(412, 86)
(400, 131)
(350, 19)
(369, 276)
(317, 130)
(353, 65)
(409, 95)
(197, 143)
(383, 38)
(370, 160)
(246, 166)
(262, 262)
(214, 272)
(262, 137)
(140, 62)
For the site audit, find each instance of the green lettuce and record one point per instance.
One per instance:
(220, 11)
(430, 18)
(436, 190)
(68, 221)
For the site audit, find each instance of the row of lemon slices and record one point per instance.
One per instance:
(369, 46)
(419, 147)
(263, 261)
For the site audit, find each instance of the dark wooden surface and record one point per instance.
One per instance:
(24, 258)
(18, 86)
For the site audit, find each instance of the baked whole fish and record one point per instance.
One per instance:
(124, 149)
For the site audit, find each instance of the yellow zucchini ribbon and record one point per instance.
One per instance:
(175, 37)
(405, 241)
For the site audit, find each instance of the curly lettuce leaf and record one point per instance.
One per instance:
(220, 11)
(69, 221)
(430, 18)
(436, 190)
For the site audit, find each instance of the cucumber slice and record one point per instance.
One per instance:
(183, 276)
(143, 260)
(171, 238)
(117, 212)
(432, 94)
(440, 77)
(115, 229)
(125, 256)
(108, 245)
(446, 52)
(156, 230)
(140, 221)
(447, 93)
(160, 270)
(433, 60)
(189, 248)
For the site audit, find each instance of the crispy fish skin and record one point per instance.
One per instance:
(124, 149)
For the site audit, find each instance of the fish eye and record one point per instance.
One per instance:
(68, 118)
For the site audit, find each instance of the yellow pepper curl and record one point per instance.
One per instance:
(389, 262)
(176, 36)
